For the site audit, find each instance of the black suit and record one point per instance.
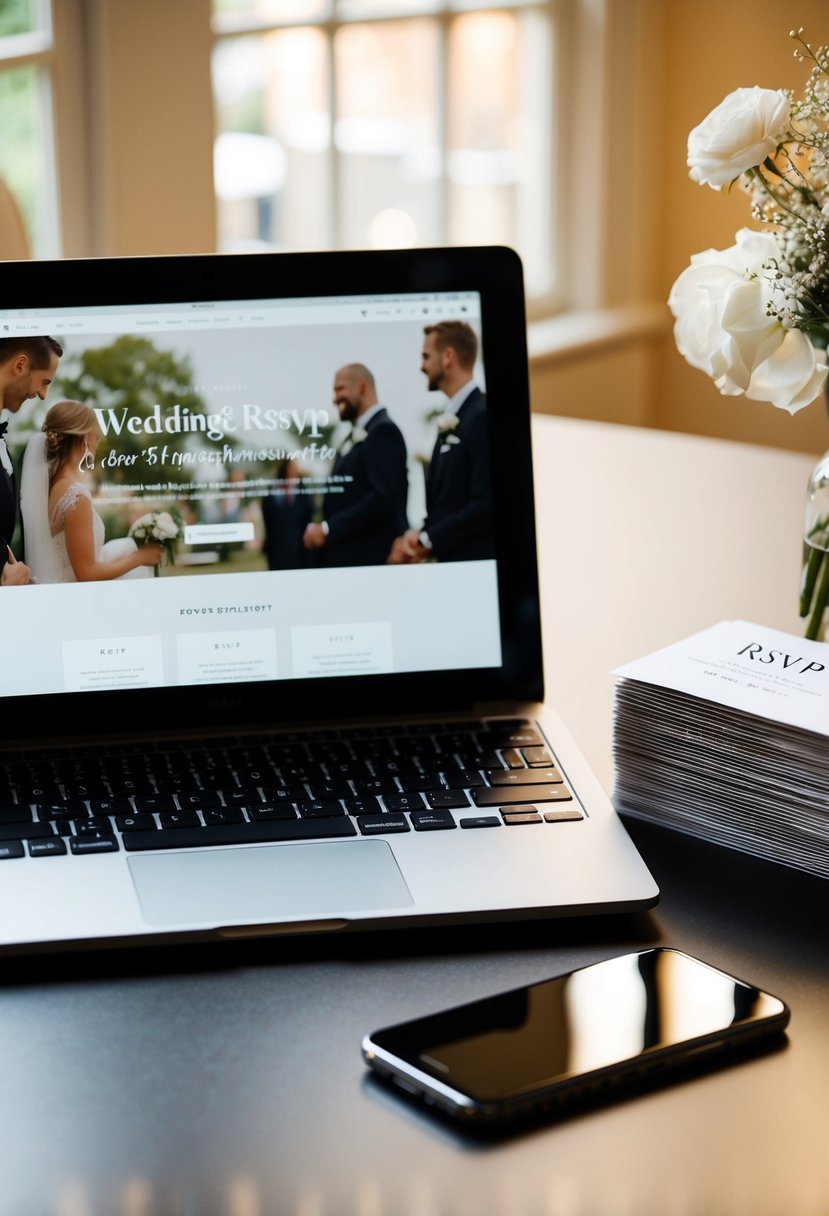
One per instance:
(458, 492)
(367, 510)
(286, 517)
(8, 512)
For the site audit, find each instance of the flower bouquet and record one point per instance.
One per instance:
(755, 316)
(158, 527)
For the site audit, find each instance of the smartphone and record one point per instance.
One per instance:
(535, 1051)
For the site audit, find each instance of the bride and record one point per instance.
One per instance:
(63, 533)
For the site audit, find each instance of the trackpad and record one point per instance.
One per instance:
(268, 883)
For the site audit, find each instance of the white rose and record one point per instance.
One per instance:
(447, 422)
(720, 303)
(165, 526)
(140, 524)
(739, 134)
(793, 376)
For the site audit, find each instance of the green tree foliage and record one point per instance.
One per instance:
(134, 375)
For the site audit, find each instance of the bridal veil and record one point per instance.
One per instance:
(40, 551)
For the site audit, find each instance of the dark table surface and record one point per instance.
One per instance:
(229, 1080)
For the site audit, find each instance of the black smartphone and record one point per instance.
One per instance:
(535, 1051)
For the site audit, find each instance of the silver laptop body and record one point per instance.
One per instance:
(362, 742)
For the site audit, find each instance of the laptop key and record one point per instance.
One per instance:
(196, 801)
(85, 845)
(247, 795)
(66, 808)
(180, 820)
(449, 799)
(376, 785)
(363, 806)
(15, 814)
(326, 809)
(225, 814)
(24, 831)
(240, 833)
(95, 825)
(464, 779)
(404, 802)
(268, 811)
(110, 806)
(10, 849)
(47, 848)
(421, 781)
(381, 825)
(135, 823)
(321, 791)
(504, 795)
(150, 803)
(481, 821)
(526, 776)
(537, 757)
(431, 821)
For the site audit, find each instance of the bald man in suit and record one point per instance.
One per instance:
(365, 508)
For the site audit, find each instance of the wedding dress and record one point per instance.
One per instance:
(44, 537)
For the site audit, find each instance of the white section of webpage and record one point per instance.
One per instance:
(224, 628)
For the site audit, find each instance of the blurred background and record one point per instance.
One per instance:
(555, 126)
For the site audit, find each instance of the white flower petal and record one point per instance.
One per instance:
(744, 129)
(793, 376)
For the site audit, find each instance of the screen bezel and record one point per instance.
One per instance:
(496, 274)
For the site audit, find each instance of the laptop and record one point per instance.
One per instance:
(256, 726)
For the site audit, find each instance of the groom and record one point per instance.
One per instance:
(458, 524)
(365, 507)
(27, 368)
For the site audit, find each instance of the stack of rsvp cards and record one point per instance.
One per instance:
(725, 736)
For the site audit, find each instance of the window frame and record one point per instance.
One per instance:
(444, 12)
(38, 49)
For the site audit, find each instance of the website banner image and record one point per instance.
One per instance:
(306, 438)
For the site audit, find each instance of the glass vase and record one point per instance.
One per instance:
(814, 586)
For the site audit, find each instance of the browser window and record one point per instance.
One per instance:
(222, 444)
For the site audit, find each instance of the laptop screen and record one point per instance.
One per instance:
(243, 477)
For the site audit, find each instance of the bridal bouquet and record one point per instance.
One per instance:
(158, 526)
(755, 316)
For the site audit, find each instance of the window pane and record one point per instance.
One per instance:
(499, 136)
(387, 134)
(26, 150)
(20, 17)
(349, 10)
(268, 11)
(272, 160)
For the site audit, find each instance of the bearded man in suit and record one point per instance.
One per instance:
(366, 506)
(27, 368)
(458, 523)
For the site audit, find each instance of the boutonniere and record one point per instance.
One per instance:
(356, 435)
(447, 425)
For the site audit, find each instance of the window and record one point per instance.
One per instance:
(27, 145)
(383, 123)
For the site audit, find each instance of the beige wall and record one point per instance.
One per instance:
(142, 180)
(643, 72)
(712, 47)
(673, 61)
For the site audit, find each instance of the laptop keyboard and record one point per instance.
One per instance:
(370, 781)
